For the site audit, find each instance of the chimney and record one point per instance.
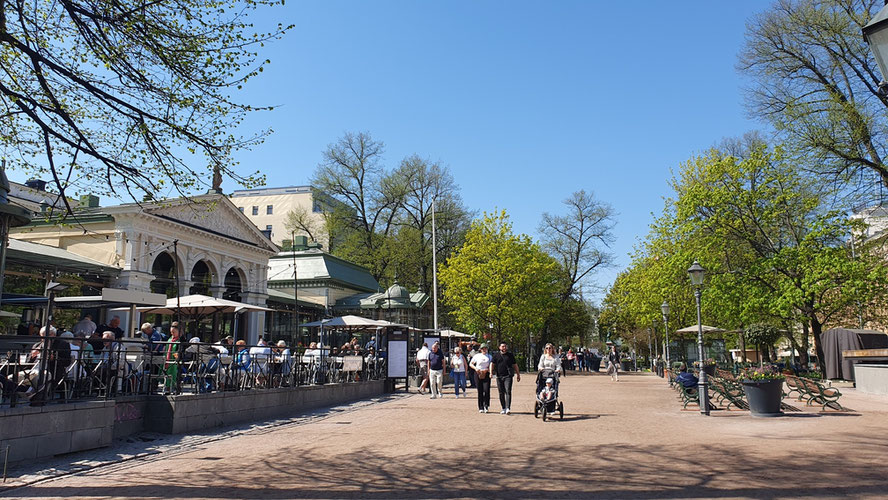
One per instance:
(36, 184)
(89, 201)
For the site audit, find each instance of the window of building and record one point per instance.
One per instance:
(268, 228)
(269, 210)
(316, 207)
(241, 209)
(255, 210)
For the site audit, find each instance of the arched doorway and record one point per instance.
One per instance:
(233, 285)
(202, 278)
(233, 289)
(164, 271)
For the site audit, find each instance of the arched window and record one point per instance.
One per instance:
(202, 278)
(233, 286)
(164, 271)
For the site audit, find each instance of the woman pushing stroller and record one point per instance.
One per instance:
(547, 383)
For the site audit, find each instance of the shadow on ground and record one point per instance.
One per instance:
(718, 470)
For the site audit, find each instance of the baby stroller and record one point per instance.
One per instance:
(550, 406)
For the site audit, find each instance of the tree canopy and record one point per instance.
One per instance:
(499, 282)
(118, 96)
(816, 81)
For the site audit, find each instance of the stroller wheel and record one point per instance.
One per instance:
(544, 413)
(536, 410)
(561, 410)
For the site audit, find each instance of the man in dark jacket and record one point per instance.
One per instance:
(505, 367)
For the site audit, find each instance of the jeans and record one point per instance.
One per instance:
(459, 380)
(504, 386)
(436, 379)
(483, 391)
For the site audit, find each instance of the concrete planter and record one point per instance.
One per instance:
(764, 397)
(596, 364)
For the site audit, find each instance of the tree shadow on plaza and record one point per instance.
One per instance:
(300, 470)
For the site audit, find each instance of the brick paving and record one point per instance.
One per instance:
(626, 439)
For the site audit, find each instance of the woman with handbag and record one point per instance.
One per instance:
(481, 364)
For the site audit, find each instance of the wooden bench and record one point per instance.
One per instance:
(688, 395)
(820, 394)
(730, 391)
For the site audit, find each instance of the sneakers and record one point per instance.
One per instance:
(502, 412)
(481, 410)
(508, 411)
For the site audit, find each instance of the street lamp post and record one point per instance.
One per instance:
(697, 273)
(664, 308)
(876, 35)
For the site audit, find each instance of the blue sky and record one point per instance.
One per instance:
(526, 102)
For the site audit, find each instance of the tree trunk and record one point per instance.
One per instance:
(742, 338)
(816, 329)
(804, 358)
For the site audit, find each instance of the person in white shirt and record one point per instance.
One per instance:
(85, 326)
(260, 356)
(422, 359)
(481, 364)
(458, 365)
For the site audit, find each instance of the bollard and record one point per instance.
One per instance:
(5, 461)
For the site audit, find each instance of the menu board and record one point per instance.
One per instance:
(397, 358)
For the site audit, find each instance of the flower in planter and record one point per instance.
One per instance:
(761, 374)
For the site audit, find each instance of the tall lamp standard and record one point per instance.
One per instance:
(664, 308)
(696, 272)
(876, 35)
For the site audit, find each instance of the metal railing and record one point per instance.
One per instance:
(37, 372)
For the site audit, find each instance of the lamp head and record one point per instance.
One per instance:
(665, 308)
(876, 35)
(696, 272)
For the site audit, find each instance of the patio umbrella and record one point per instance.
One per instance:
(349, 321)
(706, 329)
(456, 334)
(201, 305)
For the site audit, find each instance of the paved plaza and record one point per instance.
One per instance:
(626, 439)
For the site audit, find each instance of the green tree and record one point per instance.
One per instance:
(792, 248)
(113, 96)
(815, 80)
(500, 282)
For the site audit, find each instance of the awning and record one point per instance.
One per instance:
(695, 328)
(37, 256)
(199, 305)
(455, 334)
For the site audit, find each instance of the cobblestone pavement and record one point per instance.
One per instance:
(626, 439)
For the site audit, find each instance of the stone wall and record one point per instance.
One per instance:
(37, 432)
(871, 379)
(41, 432)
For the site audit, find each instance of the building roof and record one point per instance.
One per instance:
(35, 255)
(314, 265)
(384, 300)
(274, 191)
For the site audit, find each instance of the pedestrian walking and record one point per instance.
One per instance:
(613, 364)
(458, 367)
(470, 373)
(505, 367)
(437, 369)
(422, 359)
(481, 364)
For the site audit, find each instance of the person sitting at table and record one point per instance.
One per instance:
(241, 356)
(282, 359)
(689, 380)
(312, 354)
(152, 338)
(224, 345)
(112, 360)
(95, 340)
(260, 356)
